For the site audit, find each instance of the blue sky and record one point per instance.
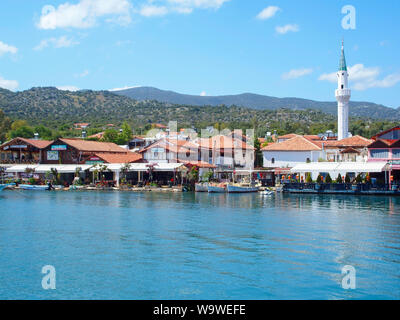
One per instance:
(210, 47)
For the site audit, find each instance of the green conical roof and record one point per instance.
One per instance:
(342, 64)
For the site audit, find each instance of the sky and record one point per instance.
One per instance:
(285, 48)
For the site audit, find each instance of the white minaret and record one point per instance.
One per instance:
(343, 94)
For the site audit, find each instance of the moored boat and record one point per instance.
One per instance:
(33, 187)
(221, 188)
(5, 186)
(201, 187)
(241, 189)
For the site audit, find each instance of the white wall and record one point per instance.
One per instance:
(289, 158)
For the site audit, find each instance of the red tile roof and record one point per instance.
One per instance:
(355, 141)
(128, 157)
(92, 146)
(297, 143)
(40, 144)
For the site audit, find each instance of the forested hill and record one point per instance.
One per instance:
(50, 105)
(255, 101)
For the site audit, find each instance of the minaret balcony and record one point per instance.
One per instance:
(343, 93)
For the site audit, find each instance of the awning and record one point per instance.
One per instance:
(143, 167)
(20, 168)
(357, 167)
(43, 168)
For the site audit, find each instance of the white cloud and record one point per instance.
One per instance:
(202, 4)
(287, 28)
(8, 84)
(203, 94)
(68, 88)
(84, 14)
(85, 73)
(153, 11)
(62, 42)
(6, 48)
(124, 88)
(296, 73)
(364, 78)
(164, 7)
(268, 13)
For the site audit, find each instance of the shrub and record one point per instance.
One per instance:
(347, 178)
(308, 178)
(319, 179)
(328, 179)
(359, 178)
(339, 178)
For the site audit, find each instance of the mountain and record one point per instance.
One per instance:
(261, 102)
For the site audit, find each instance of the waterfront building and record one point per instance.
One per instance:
(21, 150)
(76, 151)
(386, 147)
(292, 151)
(343, 94)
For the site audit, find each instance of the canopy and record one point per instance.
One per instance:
(43, 168)
(358, 167)
(141, 166)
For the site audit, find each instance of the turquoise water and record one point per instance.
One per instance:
(115, 245)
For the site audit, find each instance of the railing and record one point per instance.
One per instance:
(296, 186)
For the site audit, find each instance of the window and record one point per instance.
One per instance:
(342, 86)
(273, 160)
(379, 153)
(308, 160)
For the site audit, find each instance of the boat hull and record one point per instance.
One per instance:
(199, 187)
(31, 187)
(214, 189)
(239, 189)
(5, 186)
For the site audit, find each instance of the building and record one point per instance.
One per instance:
(76, 151)
(292, 151)
(386, 147)
(343, 94)
(21, 150)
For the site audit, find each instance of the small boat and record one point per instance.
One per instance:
(241, 188)
(33, 187)
(221, 188)
(201, 187)
(5, 186)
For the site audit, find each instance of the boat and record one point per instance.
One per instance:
(33, 187)
(220, 188)
(232, 188)
(5, 186)
(201, 187)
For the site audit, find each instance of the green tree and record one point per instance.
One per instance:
(347, 178)
(328, 179)
(258, 159)
(126, 135)
(23, 132)
(339, 178)
(5, 126)
(110, 135)
(319, 179)
(308, 178)
(44, 133)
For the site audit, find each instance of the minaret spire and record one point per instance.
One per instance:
(343, 94)
(342, 63)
